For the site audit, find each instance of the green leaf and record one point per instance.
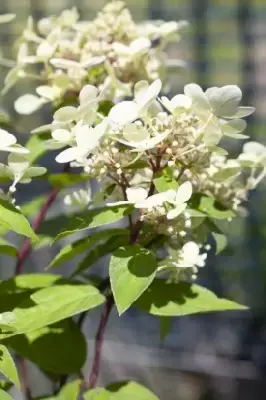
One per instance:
(72, 250)
(164, 327)
(221, 241)
(131, 270)
(211, 207)
(7, 322)
(95, 218)
(5, 395)
(70, 391)
(177, 299)
(5, 385)
(13, 291)
(36, 146)
(31, 208)
(15, 221)
(66, 344)
(100, 251)
(63, 180)
(121, 391)
(165, 181)
(7, 248)
(53, 304)
(8, 367)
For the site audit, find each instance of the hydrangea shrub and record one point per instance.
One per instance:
(164, 184)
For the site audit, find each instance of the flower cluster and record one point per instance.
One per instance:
(112, 50)
(160, 155)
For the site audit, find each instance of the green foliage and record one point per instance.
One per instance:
(7, 366)
(165, 181)
(132, 269)
(63, 180)
(220, 240)
(51, 347)
(72, 250)
(4, 395)
(100, 251)
(52, 304)
(210, 206)
(13, 291)
(95, 218)
(177, 299)
(12, 219)
(121, 391)
(7, 248)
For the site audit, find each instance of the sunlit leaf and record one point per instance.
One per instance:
(131, 270)
(176, 299)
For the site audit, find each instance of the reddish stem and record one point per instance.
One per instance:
(93, 378)
(25, 250)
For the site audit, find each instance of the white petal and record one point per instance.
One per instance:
(48, 92)
(68, 155)
(45, 50)
(184, 192)
(181, 101)
(6, 139)
(64, 63)
(234, 127)
(87, 94)
(120, 48)
(153, 201)
(135, 133)
(65, 114)
(6, 18)
(18, 163)
(153, 92)
(167, 103)
(224, 100)
(124, 113)
(242, 112)
(139, 45)
(28, 104)
(84, 136)
(136, 194)
(172, 214)
(140, 89)
(16, 149)
(197, 95)
(191, 252)
(62, 135)
(34, 172)
(93, 61)
(254, 148)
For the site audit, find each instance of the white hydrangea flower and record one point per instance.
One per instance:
(254, 153)
(18, 169)
(86, 138)
(128, 111)
(136, 47)
(190, 256)
(79, 198)
(177, 104)
(179, 199)
(219, 112)
(8, 143)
